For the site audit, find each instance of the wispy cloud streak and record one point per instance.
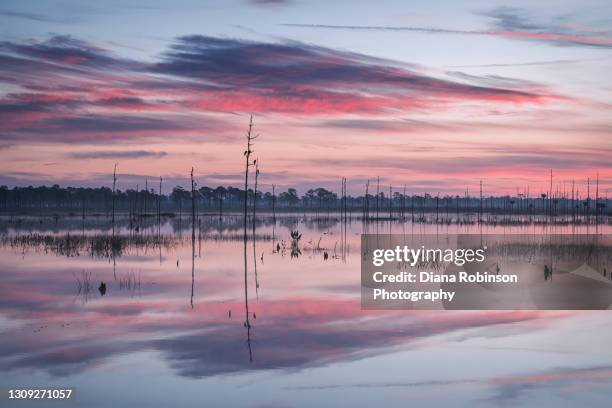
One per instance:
(506, 22)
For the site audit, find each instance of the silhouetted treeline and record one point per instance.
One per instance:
(84, 200)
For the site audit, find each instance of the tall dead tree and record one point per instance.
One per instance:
(256, 164)
(573, 206)
(247, 155)
(193, 210)
(390, 203)
(377, 195)
(159, 196)
(273, 203)
(345, 204)
(366, 201)
(404, 203)
(480, 213)
(113, 198)
(193, 185)
(550, 198)
(588, 199)
(597, 201)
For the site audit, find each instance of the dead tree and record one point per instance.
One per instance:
(273, 203)
(193, 212)
(256, 164)
(159, 208)
(390, 203)
(480, 212)
(377, 195)
(113, 198)
(247, 155)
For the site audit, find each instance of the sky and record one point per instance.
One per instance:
(434, 96)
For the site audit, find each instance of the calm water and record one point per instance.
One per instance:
(171, 328)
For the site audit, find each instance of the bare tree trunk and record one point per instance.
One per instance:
(597, 201)
(159, 208)
(113, 198)
(255, 162)
(480, 214)
(193, 212)
(273, 203)
(588, 199)
(377, 195)
(192, 236)
(390, 203)
(247, 156)
(367, 201)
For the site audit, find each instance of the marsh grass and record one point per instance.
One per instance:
(220, 237)
(130, 282)
(84, 285)
(97, 246)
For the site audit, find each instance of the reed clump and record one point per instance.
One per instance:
(97, 246)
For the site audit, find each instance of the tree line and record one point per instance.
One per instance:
(221, 199)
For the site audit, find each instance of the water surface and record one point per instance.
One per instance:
(172, 326)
